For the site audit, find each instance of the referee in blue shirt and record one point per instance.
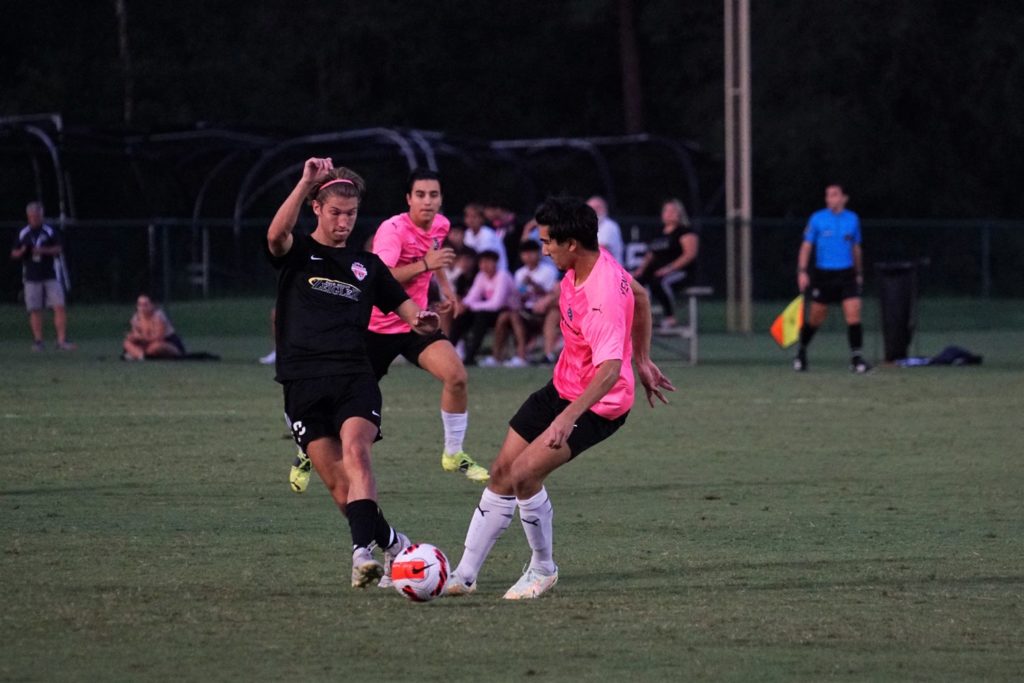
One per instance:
(833, 234)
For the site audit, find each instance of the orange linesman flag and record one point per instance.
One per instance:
(786, 328)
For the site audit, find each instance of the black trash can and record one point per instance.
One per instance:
(897, 293)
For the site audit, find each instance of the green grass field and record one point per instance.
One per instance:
(764, 526)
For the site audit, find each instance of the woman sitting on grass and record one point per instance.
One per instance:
(152, 335)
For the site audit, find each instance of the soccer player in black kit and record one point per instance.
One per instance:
(325, 293)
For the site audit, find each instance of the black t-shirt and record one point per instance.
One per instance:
(324, 299)
(666, 248)
(37, 268)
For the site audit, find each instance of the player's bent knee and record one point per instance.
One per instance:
(457, 379)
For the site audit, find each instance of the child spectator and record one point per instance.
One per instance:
(536, 282)
(492, 292)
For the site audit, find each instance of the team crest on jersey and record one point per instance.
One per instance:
(436, 243)
(334, 288)
(568, 312)
(359, 270)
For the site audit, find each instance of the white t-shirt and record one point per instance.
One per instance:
(533, 284)
(487, 240)
(609, 236)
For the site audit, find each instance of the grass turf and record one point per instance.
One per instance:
(764, 526)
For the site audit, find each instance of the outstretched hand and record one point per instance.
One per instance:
(427, 322)
(654, 381)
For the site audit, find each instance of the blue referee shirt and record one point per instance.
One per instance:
(833, 236)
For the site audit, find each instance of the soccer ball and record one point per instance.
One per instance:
(420, 572)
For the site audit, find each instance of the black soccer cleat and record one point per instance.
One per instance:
(800, 361)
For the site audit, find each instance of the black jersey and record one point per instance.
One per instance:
(324, 299)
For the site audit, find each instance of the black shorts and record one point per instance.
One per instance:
(544, 405)
(384, 348)
(175, 341)
(317, 407)
(834, 286)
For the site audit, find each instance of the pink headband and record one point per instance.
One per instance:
(335, 182)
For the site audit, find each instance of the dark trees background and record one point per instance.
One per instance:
(915, 106)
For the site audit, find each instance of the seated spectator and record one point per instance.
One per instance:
(482, 237)
(151, 335)
(492, 292)
(503, 220)
(671, 258)
(456, 238)
(537, 312)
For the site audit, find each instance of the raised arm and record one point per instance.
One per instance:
(279, 235)
(650, 375)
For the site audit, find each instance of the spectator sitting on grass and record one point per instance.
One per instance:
(151, 335)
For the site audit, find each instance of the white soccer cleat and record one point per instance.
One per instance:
(365, 569)
(456, 587)
(532, 584)
(390, 553)
(489, 362)
(516, 362)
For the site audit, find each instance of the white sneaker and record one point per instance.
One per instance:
(456, 587)
(365, 569)
(390, 553)
(269, 359)
(516, 362)
(532, 584)
(489, 362)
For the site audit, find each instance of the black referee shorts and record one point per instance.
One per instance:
(834, 286)
(318, 407)
(544, 405)
(384, 348)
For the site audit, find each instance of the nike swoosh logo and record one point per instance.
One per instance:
(315, 258)
(375, 413)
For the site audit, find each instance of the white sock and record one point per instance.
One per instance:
(536, 514)
(490, 519)
(454, 431)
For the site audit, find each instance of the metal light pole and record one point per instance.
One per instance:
(737, 166)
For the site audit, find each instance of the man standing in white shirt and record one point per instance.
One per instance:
(609, 235)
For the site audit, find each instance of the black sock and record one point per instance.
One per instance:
(855, 335)
(382, 531)
(806, 335)
(362, 520)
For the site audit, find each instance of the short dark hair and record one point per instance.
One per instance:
(569, 218)
(529, 245)
(421, 174)
(491, 254)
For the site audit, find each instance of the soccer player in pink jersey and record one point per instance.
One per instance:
(606, 323)
(410, 244)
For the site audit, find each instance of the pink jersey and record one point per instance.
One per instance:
(399, 242)
(597, 321)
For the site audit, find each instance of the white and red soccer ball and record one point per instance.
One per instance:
(420, 572)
